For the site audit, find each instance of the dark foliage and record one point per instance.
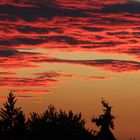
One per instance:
(105, 122)
(51, 125)
(13, 124)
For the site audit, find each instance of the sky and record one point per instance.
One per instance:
(71, 54)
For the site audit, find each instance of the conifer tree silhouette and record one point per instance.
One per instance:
(12, 117)
(105, 122)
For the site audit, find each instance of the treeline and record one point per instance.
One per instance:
(52, 124)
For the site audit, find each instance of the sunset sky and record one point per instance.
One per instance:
(72, 53)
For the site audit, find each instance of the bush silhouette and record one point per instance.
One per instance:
(105, 122)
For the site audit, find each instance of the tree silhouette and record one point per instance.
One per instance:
(105, 122)
(12, 117)
(53, 124)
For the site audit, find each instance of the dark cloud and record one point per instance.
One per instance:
(21, 40)
(108, 43)
(68, 39)
(99, 37)
(38, 11)
(129, 7)
(116, 20)
(116, 66)
(15, 59)
(136, 34)
(100, 44)
(53, 74)
(122, 35)
(8, 53)
(11, 28)
(14, 53)
(135, 51)
(7, 17)
(118, 33)
(93, 29)
(35, 40)
(132, 41)
(26, 82)
(103, 44)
